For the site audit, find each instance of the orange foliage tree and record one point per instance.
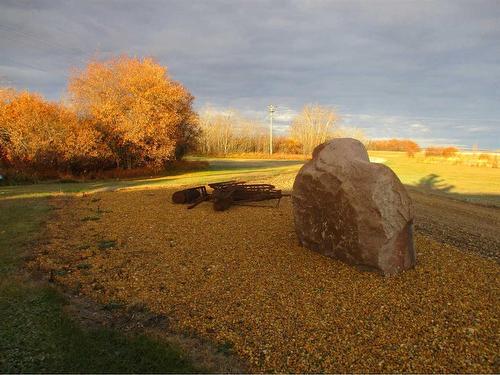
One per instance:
(407, 145)
(145, 117)
(36, 134)
(441, 151)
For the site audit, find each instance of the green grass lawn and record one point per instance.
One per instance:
(476, 184)
(36, 335)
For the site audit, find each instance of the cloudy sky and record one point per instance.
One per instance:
(429, 70)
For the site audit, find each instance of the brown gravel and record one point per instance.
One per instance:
(239, 277)
(468, 226)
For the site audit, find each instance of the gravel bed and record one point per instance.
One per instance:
(240, 278)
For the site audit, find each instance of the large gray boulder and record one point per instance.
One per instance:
(348, 208)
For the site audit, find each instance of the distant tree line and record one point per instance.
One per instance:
(406, 145)
(446, 152)
(410, 147)
(228, 132)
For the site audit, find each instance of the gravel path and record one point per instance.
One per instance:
(468, 226)
(239, 278)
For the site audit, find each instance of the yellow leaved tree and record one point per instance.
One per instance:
(145, 117)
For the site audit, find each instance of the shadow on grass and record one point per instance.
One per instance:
(218, 164)
(37, 336)
(36, 333)
(434, 184)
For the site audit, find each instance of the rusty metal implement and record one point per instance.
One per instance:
(228, 193)
(190, 195)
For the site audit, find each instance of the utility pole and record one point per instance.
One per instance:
(271, 108)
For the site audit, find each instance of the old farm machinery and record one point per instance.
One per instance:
(228, 193)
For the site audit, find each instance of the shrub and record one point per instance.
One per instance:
(286, 145)
(441, 151)
(406, 145)
(40, 137)
(486, 157)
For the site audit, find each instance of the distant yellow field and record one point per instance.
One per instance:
(442, 175)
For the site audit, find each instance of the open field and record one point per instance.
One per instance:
(261, 298)
(475, 184)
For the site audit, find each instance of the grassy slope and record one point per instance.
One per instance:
(35, 333)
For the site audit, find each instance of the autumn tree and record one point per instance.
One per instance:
(446, 152)
(6, 95)
(36, 134)
(406, 145)
(145, 117)
(313, 126)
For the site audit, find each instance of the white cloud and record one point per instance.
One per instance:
(477, 129)
(421, 128)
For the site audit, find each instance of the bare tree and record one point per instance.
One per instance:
(217, 131)
(224, 132)
(313, 126)
(350, 132)
(227, 131)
